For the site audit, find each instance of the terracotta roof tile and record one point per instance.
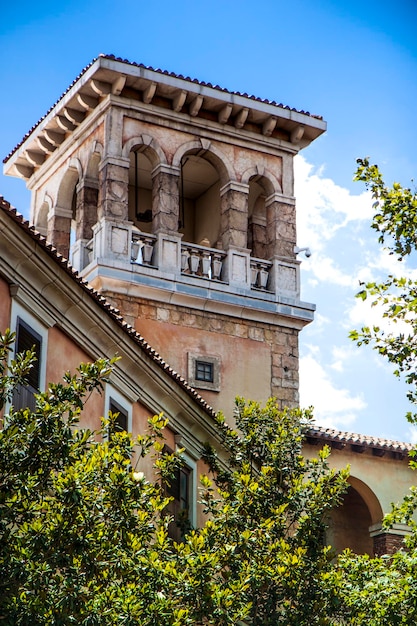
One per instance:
(348, 438)
(159, 71)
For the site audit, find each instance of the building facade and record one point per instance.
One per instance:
(174, 200)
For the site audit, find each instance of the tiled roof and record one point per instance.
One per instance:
(361, 441)
(105, 305)
(164, 73)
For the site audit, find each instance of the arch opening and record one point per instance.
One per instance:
(259, 189)
(199, 220)
(140, 190)
(349, 523)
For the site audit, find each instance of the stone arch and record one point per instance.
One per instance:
(349, 523)
(369, 497)
(94, 158)
(61, 220)
(271, 181)
(41, 217)
(145, 157)
(69, 180)
(145, 143)
(203, 171)
(204, 148)
(260, 187)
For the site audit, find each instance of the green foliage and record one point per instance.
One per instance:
(270, 514)
(396, 222)
(83, 532)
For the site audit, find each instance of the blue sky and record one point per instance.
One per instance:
(352, 62)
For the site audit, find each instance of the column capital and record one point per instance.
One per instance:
(57, 211)
(164, 168)
(113, 160)
(279, 197)
(233, 185)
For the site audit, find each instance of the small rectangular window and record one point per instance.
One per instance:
(179, 489)
(179, 507)
(204, 371)
(28, 339)
(122, 417)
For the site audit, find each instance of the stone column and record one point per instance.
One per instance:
(280, 227)
(113, 231)
(234, 215)
(165, 199)
(59, 229)
(390, 540)
(114, 187)
(86, 210)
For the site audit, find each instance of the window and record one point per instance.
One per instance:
(122, 420)
(204, 371)
(28, 339)
(115, 402)
(180, 490)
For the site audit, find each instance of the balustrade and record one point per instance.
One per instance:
(142, 248)
(201, 261)
(260, 270)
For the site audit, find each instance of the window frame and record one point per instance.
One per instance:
(190, 466)
(21, 314)
(119, 401)
(214, 361)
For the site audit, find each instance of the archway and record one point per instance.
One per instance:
(349, 523)
(199, 200)
(259, 189)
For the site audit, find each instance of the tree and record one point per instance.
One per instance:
(83, 534)
(383, 590)
(271, 513)
(395, 220)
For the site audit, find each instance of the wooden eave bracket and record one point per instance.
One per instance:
(87, 102)
(23, 170)
(268, 126)
(179, 101)
(100, 88)
(74, 116)
(35, 158)
(45, 145)
(225, 113)
(196, 105)
(118, 85)
(149, 93)
(53, 137)
(64, 123)
(297, 133)
(241, 118)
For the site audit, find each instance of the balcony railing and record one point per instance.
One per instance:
(260, 271)
(201, 261)
(167, 256)
(142, 250)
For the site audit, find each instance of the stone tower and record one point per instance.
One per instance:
(175, 199)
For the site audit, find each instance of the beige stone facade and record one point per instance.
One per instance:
(174, 199)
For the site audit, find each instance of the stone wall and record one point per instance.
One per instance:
(270, 352)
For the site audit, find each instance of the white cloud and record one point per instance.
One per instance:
(333, 407)
(323, 207)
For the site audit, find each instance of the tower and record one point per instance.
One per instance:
(175, 199)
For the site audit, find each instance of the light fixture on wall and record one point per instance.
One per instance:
(306, 251)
